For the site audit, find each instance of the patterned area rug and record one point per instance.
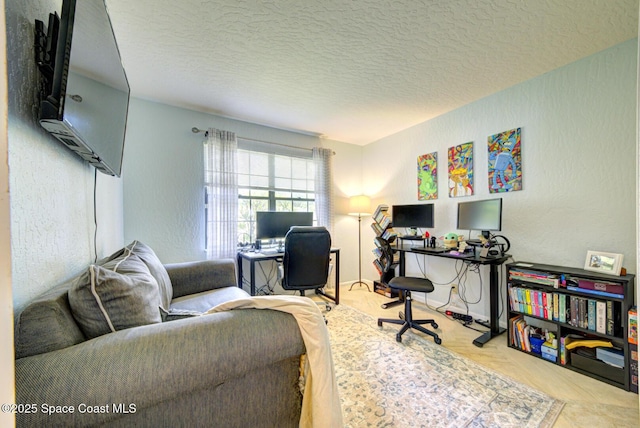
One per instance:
(417, 383)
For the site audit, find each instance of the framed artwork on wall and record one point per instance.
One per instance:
(460, 166)
(505, 161)
(428, 176)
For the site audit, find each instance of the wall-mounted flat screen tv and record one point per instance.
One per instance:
(85, 92)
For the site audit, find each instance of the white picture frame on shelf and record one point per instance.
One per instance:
(608, 263)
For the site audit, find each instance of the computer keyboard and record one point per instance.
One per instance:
(270, 251)
(428, 249)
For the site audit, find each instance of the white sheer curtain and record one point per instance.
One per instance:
(221, 180)
(324, 186)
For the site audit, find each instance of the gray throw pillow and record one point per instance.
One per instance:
(120, 294)
(157, 270)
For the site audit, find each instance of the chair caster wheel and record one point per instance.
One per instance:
(434, 325)
(437, 340)
(398, 338)
(328, 308)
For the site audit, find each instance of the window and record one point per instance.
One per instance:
(272, 182)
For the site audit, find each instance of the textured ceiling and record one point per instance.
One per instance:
(352, 70)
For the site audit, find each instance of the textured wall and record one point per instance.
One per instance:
(163, 180)
(51, 187)
(578, 146)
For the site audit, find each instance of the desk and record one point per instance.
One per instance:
(494, 287)
(253, 257)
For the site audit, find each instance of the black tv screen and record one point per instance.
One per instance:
(86, 92)
(276, 224)
(485, 215)
(418, 215)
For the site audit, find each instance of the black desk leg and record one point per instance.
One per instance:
(240, 274)
(401, 271)
(336, 297)
(494, 314)
(252, 274)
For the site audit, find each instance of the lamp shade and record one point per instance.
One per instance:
(360, 205)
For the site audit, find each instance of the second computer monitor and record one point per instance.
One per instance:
(484, 216)
(417, 215)
(276, 224)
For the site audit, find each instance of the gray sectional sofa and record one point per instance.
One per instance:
(103, 349)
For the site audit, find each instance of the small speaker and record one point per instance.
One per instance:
(258, 245)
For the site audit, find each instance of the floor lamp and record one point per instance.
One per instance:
(359, 206)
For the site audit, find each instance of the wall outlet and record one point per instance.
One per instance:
(455, 301)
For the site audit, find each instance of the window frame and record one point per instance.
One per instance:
(275, 201)
(272, 197)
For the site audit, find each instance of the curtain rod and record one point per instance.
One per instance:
(197, 131)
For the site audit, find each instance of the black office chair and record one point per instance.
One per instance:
(405, 285)
(305, 263)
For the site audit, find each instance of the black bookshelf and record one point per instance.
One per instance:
(555, 299)
(383, 227)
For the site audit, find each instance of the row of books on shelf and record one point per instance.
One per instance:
(381, 215)
(388, 234)
(384, 289)
(633, 369)
(533, 339)
(383, 221)
(543, 342)
(632, 337)
(378, 253)
(379, 264)
(596, 315)
(536, 277)
(582, 285)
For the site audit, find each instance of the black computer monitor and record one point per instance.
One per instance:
(276, 224)
(418, 215)
(485, 216)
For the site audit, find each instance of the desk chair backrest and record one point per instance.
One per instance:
(306, 258)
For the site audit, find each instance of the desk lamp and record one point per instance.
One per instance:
(359, 206)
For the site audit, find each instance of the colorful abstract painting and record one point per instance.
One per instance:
(428, 176)
(461, 170)
(505, 162)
